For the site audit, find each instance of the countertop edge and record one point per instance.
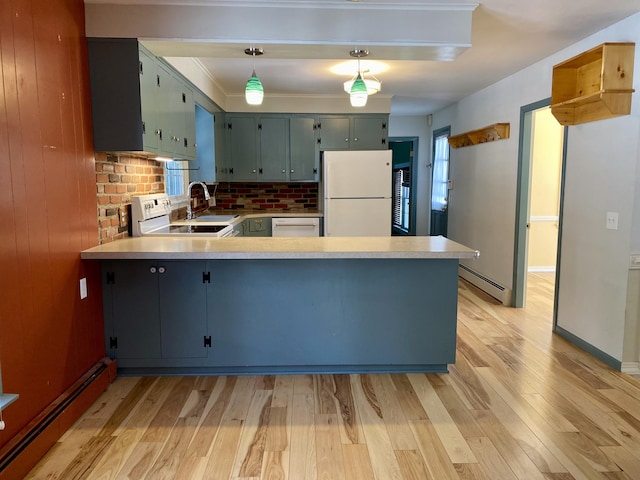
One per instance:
(272, 255)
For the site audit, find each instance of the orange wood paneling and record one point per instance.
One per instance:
(49, 336)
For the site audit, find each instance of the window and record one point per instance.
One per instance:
(440, 192)
(176, 180)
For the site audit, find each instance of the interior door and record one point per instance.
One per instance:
(440, 182)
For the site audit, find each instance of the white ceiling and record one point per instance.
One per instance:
(303, 40)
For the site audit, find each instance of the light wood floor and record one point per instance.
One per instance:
(520, 403)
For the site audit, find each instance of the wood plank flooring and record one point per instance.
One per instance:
(519, 404)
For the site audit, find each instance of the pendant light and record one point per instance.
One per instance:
(358, 93)
(253, 92)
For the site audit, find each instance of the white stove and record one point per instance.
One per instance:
(150, 215)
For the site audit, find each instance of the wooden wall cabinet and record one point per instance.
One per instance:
(595, 85)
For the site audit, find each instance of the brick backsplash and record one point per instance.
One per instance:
(118, 178)
(269, 197)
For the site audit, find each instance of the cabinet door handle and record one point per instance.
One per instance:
(161, 269)
(292, 170)
(346, 139)
(283, 171)
(355, 139)
(153, 270)
(253, 171)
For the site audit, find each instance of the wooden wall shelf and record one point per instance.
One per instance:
(593, 85)
(490, 133)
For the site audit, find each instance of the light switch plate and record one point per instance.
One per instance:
(612, 220)
(83, 288)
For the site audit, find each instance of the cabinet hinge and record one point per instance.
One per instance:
(207, 341)
(229, 126)
(158, 80)
(384, 125)
(111, 278)
(259, 126)
(319, 141)
(384, 141)
(260, 170)
(184, 97)
(144, 129)
(315, 170)
(206, 277)
(141, 67)
(231, 170)
(113, 342)
(319, 125)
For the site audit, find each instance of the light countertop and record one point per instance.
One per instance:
(247, 248)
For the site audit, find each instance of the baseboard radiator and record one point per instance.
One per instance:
(27, 447)
(497, 291)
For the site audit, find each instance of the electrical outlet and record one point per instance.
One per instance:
(122, 217)
(612, 220)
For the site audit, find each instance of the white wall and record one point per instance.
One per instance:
(401, 126)
(601, 176)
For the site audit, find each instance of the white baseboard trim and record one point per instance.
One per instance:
(541, 269)
(632, 368)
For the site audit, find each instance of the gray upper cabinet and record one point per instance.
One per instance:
(270, 148)
(304, 157)
(369, 132)
(139, 104)
(242, 148)
(149, 87)
(285, 147)
(274, 148)
(221, 157)
(178, 115)
(353, 132)
(334, 132)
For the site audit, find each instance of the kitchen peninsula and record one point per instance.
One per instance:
(280, 305)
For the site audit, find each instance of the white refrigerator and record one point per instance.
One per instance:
(356, 189)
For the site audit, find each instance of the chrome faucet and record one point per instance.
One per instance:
(190, 214)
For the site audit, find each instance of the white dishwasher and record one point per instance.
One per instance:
(295, 227)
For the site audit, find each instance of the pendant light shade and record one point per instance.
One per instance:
(253, 92)
(360, 88)
(358, 94)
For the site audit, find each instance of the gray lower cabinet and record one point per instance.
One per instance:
(155, 311)
(257, 227)
(334, 315)
(280, 316)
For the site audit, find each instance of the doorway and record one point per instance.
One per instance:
(539, 199)
(403, 201)
(440, 182)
